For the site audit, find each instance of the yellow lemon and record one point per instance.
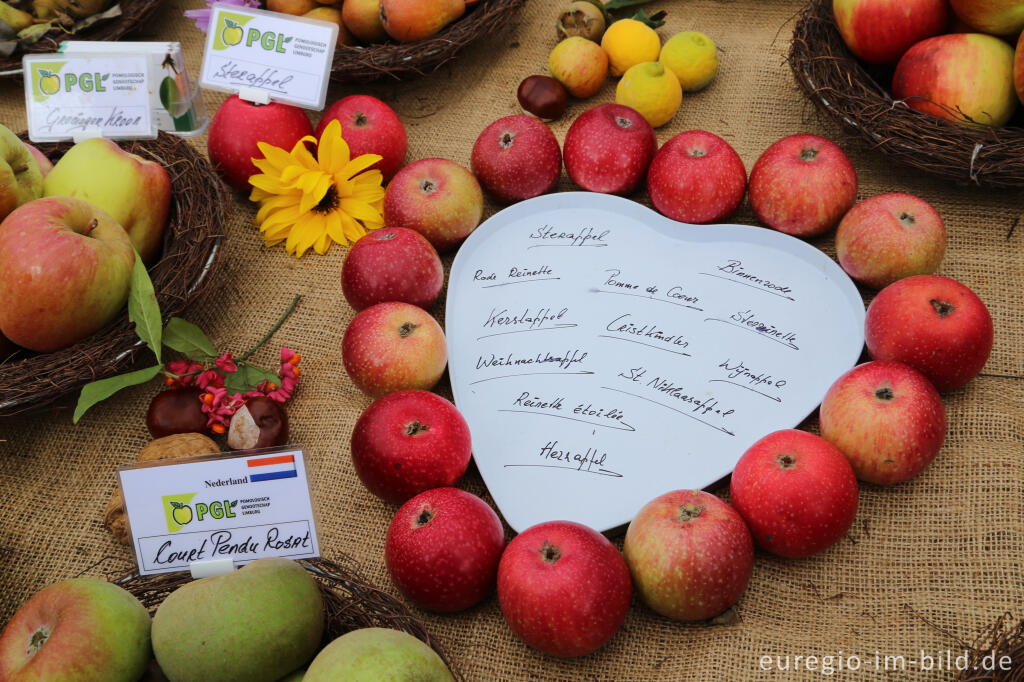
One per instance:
(629, 42)
(692, 57)
(652, 90)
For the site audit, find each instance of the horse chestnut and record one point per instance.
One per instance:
(176, 410)
(259, 423)
(543, 96)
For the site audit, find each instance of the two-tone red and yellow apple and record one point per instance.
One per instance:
(881, 31)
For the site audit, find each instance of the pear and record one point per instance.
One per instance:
(256, 624)
(409, 20)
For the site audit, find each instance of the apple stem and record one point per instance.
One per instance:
(550, 553)
(90, 227)
(942, 308)
(415, 428)
(407, 329)
(38, 639)
(690, 512)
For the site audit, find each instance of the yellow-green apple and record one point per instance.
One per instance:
(563, 588)
(391, 264)
(697, 177)
(961, 77)
(999, 17)
(886, 418)
(65, 268)
(608, 149)
(1018, 68)
(880, 31)
(796, 491)
(436, 197)
(442, 550)
(79, 630)
(393, 346)
(135, 191)
(369, 126)
(516, 158)
(377, 654)
(935, 324)
(408, 442)
(410, 20)
(888, 237)
(580, 65)
(236, 128)
(20, 178)
(362, 19)
(802, 185)
(42, 161)
(690, 555)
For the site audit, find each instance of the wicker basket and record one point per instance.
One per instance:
(350, 602)
(191, 247)
(134, 15)
(362, 64)
(850, 94)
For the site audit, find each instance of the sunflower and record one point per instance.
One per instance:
(309, 201)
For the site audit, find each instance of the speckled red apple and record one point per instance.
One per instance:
(608, 149)
(369, 126)
(796, 491)
(442, 549)
(391, 264)
(697, 177)
(935, 324)
(887, 419)
(436, 197)
(517, 158)
(393, 346)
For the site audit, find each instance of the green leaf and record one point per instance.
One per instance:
(247, 378)
(619, 4)
(96, 391)
(656, 20)
(187, 338)
(143, 308)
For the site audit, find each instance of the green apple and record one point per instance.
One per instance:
(20, 178)
(65, 269)
(134, 190)
(256, 624)
(80, 630)
(375, 654)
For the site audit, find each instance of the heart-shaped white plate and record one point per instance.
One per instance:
(603, 354)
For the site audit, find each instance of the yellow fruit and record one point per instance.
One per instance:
(232, 33)
(692, 57)
(652, 90)
(629, 42)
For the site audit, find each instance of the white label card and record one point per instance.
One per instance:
(240, 507)
(81, 96)
(288, 58)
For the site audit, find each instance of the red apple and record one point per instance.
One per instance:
(516, 158)
(408, 442)
(802, 185)
(44, 163)
(391, 264)
(393, 346)
(369, 126)
(697, 177)
(887, 419)
(608, 148)
(236, 128)
(442, 549)
(961, 77)
(796, 491)
(563, 588)
(889, 237)
(935, 324)
(436, 197)
(65, 269)
(880, 31)
(1018, 68)
(79, 630)
(690, 555)
(999, 17)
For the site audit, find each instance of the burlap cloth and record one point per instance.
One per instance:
(947, 547)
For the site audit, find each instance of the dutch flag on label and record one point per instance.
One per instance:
(271, 468)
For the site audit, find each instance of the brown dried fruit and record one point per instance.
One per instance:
(177, 446)
(542, 96)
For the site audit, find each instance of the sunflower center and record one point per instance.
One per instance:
(329, 202)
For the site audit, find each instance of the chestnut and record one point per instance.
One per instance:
(176, 410)
(543, 96)
(259, 423)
